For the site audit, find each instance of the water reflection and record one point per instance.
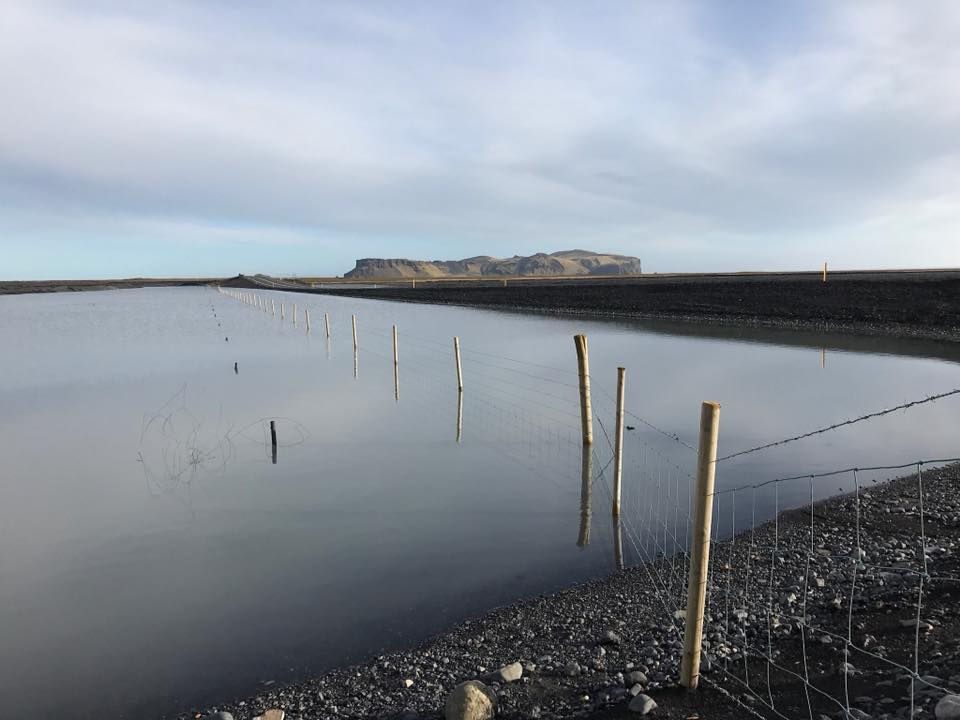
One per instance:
(586, 488)
(371, 491)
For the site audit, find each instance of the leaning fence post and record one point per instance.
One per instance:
(700, 544)
(583, 363)
(456, 354)
(326, 322)
(353, 319)
(618, 440)
(306, 317)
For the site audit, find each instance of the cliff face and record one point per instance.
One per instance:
(568, 262)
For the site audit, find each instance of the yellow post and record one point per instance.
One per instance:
(583, 366)
(700, 544)
(618, 443)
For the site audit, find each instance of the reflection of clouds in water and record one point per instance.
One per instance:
(177, 447)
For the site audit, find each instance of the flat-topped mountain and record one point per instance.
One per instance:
(567, 262)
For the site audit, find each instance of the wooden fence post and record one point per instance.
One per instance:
(326, 322)
(700, 544)
(618, 443)
(456, 355)
(294, 313)
(306, 317)
(273, 440)
(824, 272)
(583, 366)
(353, 320)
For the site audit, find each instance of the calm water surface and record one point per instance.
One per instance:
(152, 556)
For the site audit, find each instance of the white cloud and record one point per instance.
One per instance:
(454, 130)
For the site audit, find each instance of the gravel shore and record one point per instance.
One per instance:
(587, 651)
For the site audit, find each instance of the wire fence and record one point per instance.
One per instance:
(826, 591)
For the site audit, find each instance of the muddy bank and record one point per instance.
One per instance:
(915, 304)
(586, 651)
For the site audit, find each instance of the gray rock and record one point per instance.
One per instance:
(471, 700)
(642, 704)
(637, 677)
(511, 672)
(636, 690)
(948, 708)
(572, 669)
(610, 638)
(222, 715)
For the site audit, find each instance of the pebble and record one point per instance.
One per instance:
(471, 700)
(510, 673)
(948, 708)
(642, 704)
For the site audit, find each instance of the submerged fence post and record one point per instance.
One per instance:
(396, 367)
(583, 366)
(618, 440)
(326, 322)
(273, 440)
(306, 316)
(294, 313)
(456, 354)
(353, 319)
(700, 544)
(282, 316)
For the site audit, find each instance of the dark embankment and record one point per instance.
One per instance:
(905, 303)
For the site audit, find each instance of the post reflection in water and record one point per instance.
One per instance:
(459, 414)
(328, 347)
(617, 543)
(586, 482)
(356, 362)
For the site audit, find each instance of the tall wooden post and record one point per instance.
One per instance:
(824, 272)
(618, 443)
(306, 317)
(326, 322)
(353, 319)
(583, 366)
(456, 354)
(700, 544)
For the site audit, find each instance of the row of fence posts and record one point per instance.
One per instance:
(702, 503)
(702, 497)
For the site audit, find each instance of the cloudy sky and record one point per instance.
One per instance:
(182, 138)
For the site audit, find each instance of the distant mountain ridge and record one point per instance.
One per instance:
(567, 262)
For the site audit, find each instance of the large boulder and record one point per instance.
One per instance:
(471, 700)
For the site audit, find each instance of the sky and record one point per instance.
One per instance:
(191, 138)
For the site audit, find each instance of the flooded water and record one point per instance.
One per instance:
(153, 556)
